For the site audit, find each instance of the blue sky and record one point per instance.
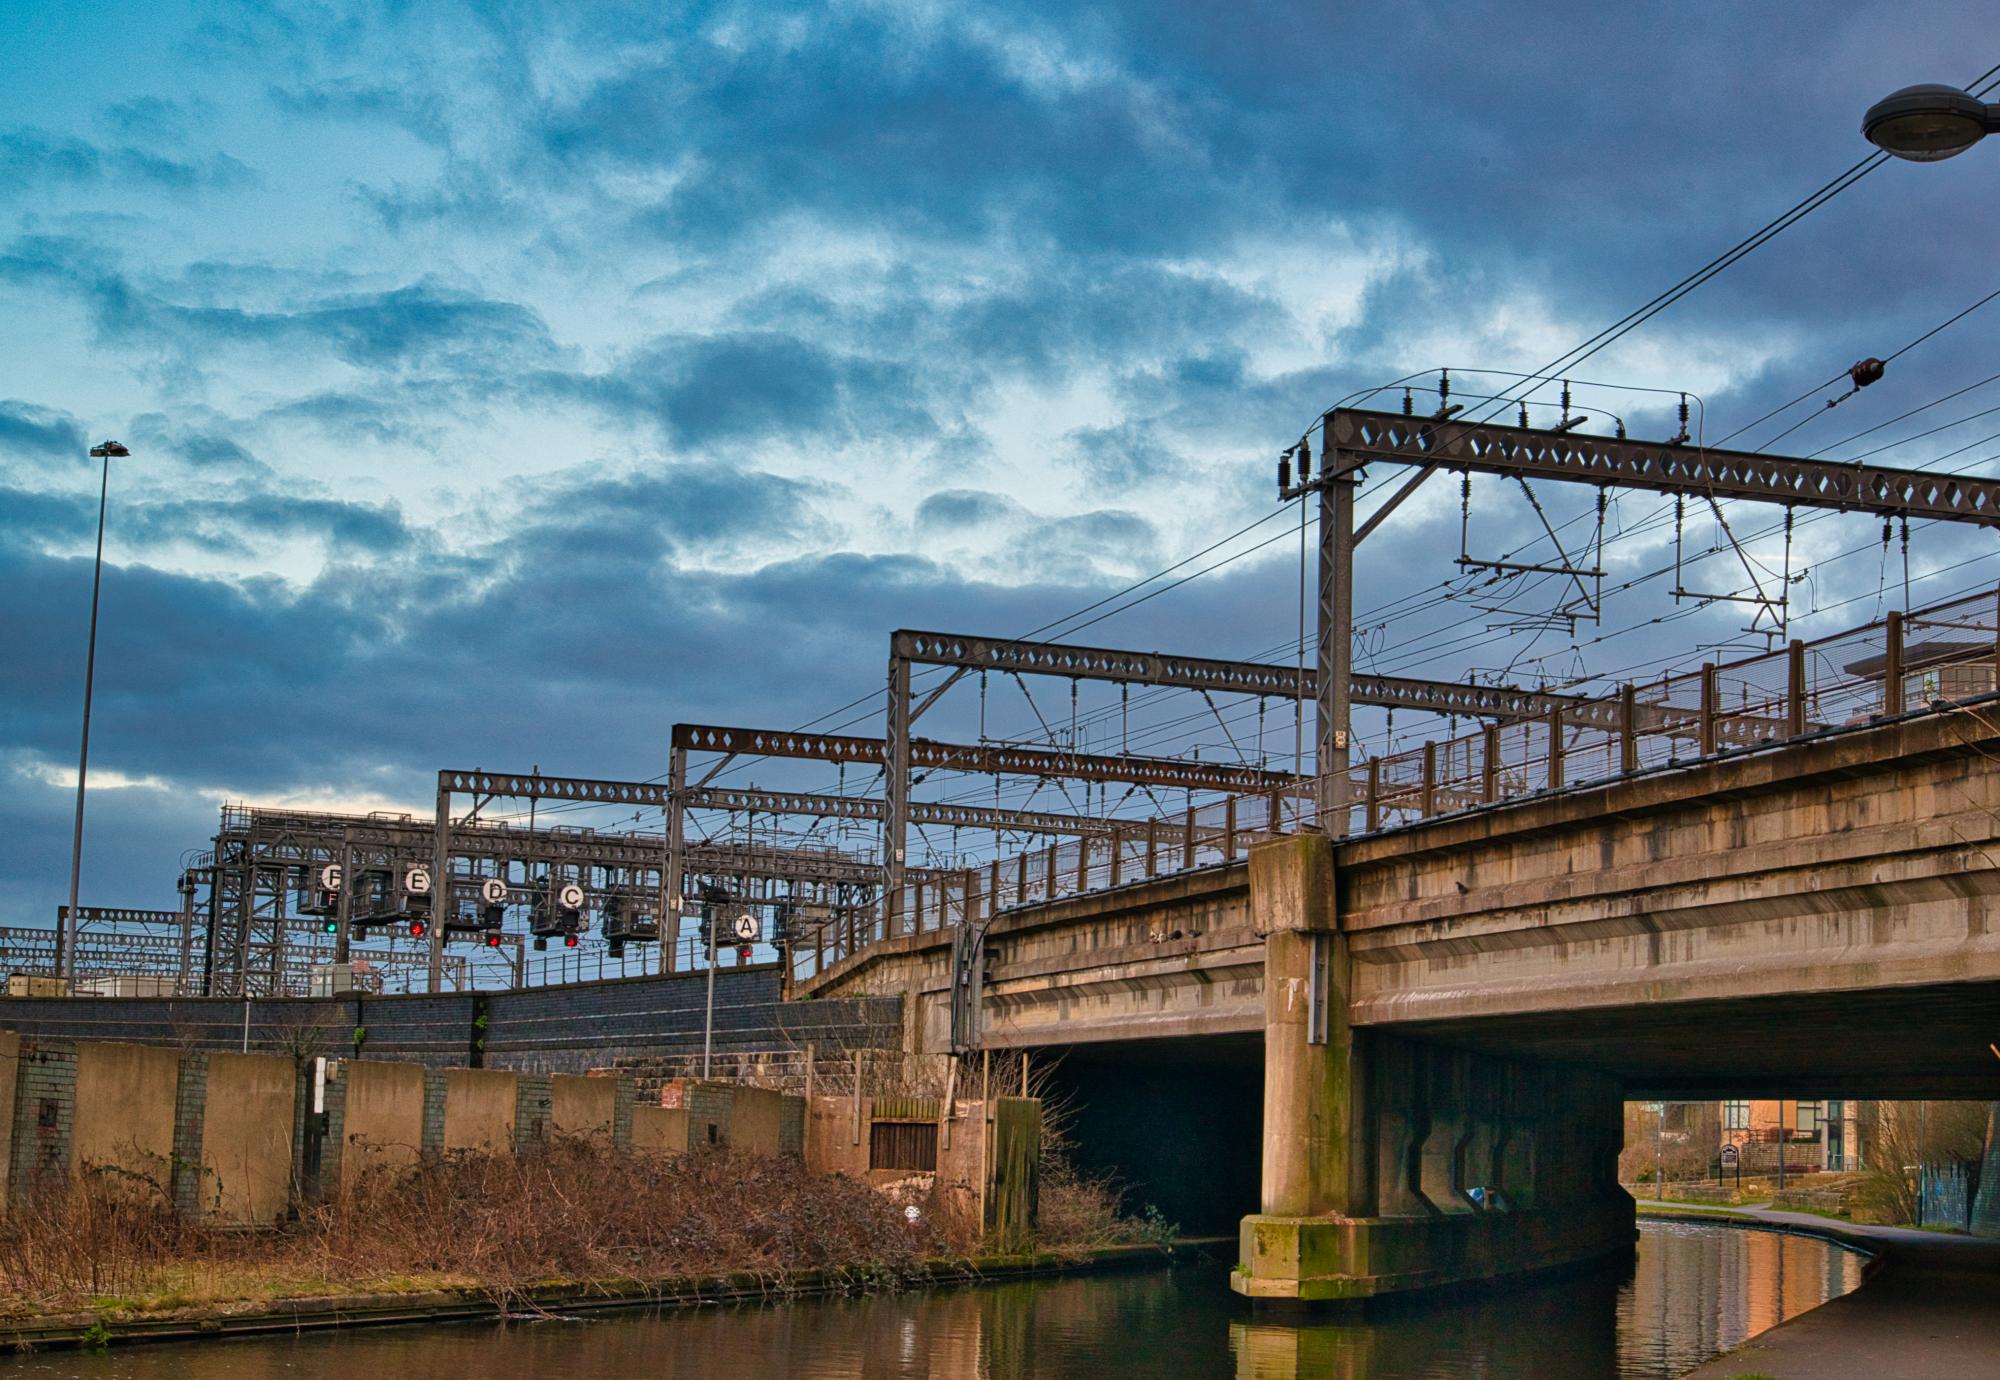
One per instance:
(509, 382)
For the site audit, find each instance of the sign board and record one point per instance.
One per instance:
(329, 877)
(417, 881)
(570, 896)
(1729, 1154)
(493, 892)
(745, 927)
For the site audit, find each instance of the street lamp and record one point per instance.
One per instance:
(66, 937)
(1929, 122)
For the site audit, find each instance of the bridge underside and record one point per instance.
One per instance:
(1903, 1042)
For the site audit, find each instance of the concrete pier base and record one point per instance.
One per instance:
(1392, 1166)
(1319, 1260)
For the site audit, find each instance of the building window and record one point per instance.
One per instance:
(903, 1145)
(1808, 1121)
(1736, 1116)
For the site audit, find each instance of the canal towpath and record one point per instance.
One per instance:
(1929, 1309)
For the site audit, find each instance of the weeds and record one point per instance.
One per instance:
(572, 1211)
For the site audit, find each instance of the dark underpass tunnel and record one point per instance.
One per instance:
(1178, 1123)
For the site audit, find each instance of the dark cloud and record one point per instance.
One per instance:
(418, 110)
(29, 155)
(42, 432)
(720, 389)
(422, 325)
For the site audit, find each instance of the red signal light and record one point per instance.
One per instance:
(492, 941)
(569, 941)
(416, 929)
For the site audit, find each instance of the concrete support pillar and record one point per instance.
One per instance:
(1316, 1153)
(1389, 1165)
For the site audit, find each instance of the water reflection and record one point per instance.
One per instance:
(1692, 1292)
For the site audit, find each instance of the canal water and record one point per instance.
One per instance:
(1692, 1292)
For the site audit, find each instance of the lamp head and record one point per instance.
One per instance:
(108, 450)
(1928, 122)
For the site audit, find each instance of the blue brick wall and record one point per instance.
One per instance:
(628, 1022)
(44, 1113)
(534, 1109)
(190, 1193)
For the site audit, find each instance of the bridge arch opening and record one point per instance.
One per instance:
(1177, 1123)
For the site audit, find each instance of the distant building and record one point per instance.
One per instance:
(1814, 1135)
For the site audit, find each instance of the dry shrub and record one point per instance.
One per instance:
(103, 1234)
(574, 1210)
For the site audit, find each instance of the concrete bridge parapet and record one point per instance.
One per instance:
(1390, 1165)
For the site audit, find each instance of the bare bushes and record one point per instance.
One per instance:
(107, 1234)
(572, 1211)
(576, 1211)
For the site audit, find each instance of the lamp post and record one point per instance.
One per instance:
(66, 936)
(1929, 122)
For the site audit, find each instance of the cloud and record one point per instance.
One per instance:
(425, 324)
(731, 387)
(44, 432)
(29, 155)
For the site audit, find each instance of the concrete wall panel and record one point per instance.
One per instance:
(246, 1136)
(756, 1120)
(125, 1109)
(585, 1106)
(659, 1130)
(384, 1116)
(478, 1109)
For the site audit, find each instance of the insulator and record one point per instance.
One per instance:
(1305, 460)
(1885, 531)
(1621, 428)
(1409, 404)
(1284, 471)
(1867, 371)
(1444, 387)
(1524, 415)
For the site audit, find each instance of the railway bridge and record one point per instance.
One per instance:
(1406, 1051)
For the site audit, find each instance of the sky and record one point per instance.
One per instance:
(506, 383)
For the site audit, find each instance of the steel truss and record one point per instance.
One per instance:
(990, 759)
(1361, 437)
(1265, 679)
(1355, 437)
(665, 865)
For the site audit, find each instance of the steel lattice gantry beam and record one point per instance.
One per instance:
(986, 759)
(1359, 437)
(868, 808)
(1017, 656)
(119, 915)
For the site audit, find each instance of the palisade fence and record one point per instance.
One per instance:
(1944, 653)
